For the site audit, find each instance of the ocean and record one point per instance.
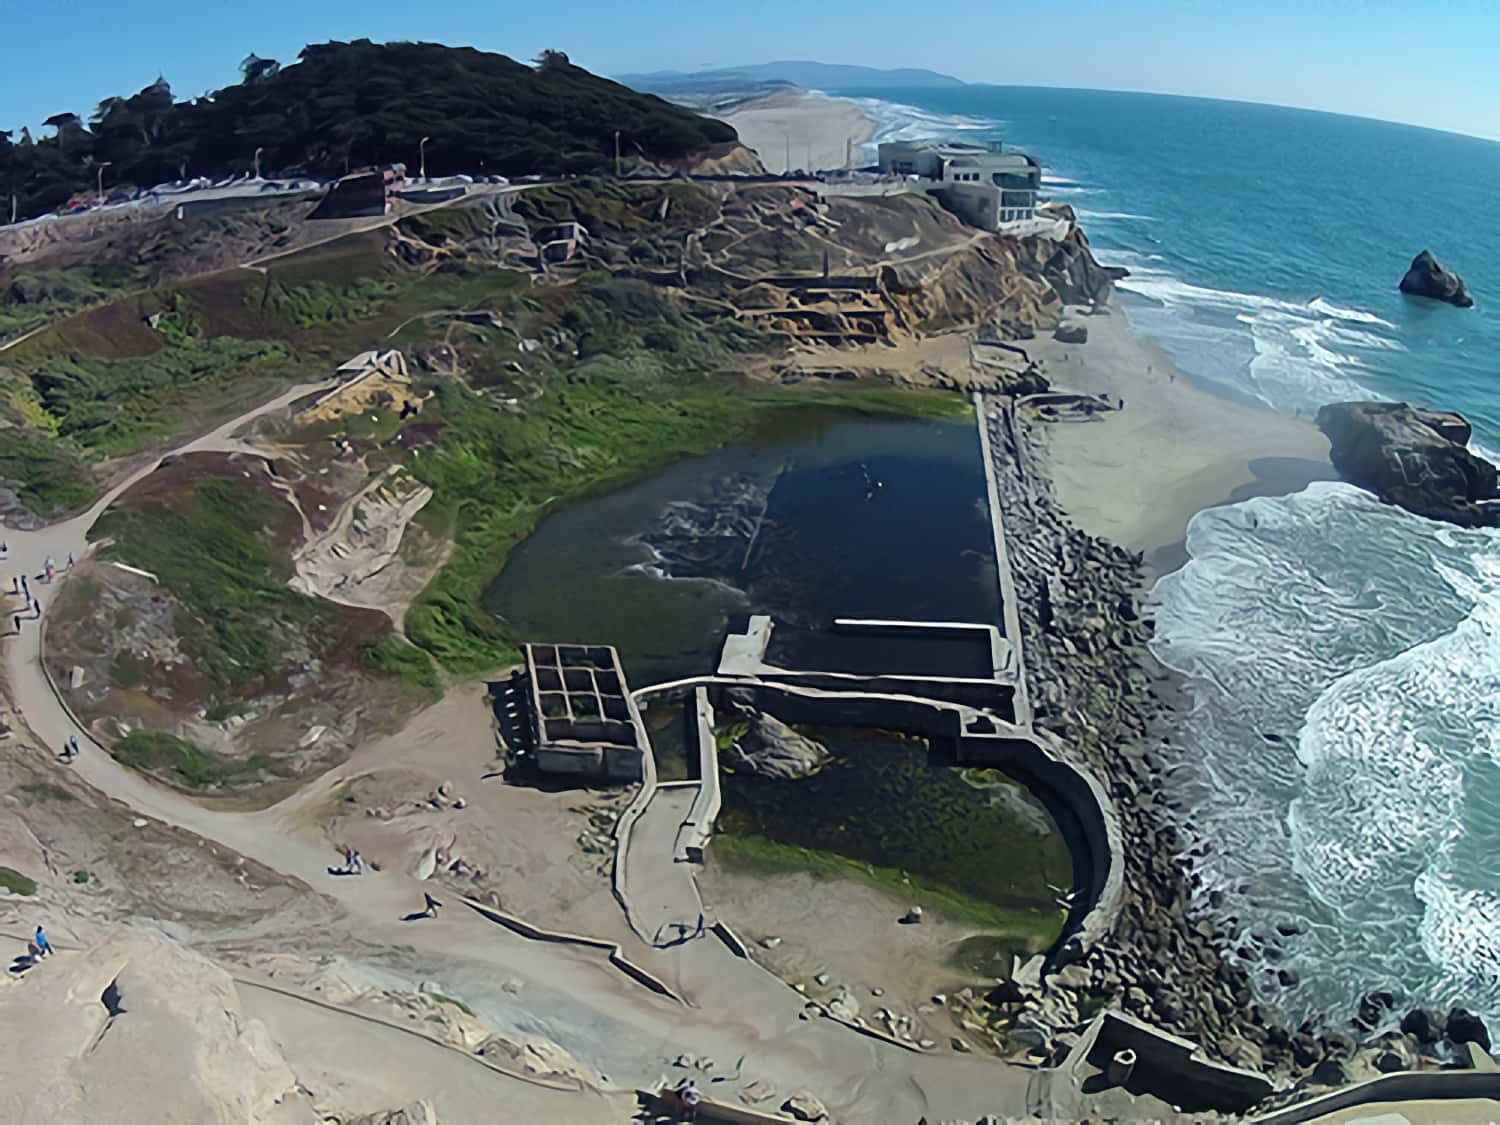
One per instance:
(1338, 763)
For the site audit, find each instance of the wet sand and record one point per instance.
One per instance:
(1138, 475)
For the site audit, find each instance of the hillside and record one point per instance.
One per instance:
(345, 105)
(809, 75)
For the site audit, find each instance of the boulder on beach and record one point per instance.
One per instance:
(1427, 277)
(1072, 332)
(1417, 459)
(770, 748)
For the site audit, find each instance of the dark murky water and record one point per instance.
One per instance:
(818, 515)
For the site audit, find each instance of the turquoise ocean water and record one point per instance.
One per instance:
(1341, 753)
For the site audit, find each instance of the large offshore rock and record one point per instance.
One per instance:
(772, 749)
(1427, 277)
(1411, 457)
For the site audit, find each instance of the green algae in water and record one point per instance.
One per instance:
(881, 802)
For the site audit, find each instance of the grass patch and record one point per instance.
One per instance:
(1032, 931)
(16, 883)
(727, 734)
(115, 404)
(46, 791)
(157, 752)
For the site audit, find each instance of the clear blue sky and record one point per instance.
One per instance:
(1427, 62)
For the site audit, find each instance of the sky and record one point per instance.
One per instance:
(1423, 62)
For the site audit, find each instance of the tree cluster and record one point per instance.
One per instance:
(343, 106)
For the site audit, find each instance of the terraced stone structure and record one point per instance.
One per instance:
(583, 720)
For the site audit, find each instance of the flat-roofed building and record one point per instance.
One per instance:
(986, 186)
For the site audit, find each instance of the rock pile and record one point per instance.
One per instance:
(769, 748)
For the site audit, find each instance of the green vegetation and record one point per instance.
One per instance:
(47, 791)
(756, 855)
(16, 883)
(217, 544)
(114, 404)
(48, 477)
(80, 876)
(160, 753)
(346, 105)
(727, 734)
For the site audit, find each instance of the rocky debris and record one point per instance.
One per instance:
(1423, 1024)
(1427, 277)
(1463, 1026)
(804, 1107)
(1417, 459)
(1091, 685)
(1071, 332)
(771, 749)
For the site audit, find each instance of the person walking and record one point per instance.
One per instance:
(356, 861)
(44, 947)
(431, 904)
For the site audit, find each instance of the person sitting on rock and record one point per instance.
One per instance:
(690, 1097)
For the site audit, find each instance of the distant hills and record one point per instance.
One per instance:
(809, 75)
(344, 105)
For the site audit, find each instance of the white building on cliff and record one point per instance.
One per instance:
(984, 186)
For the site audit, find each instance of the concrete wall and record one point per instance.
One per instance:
(699, 825)
(1169, 1066)
(1418, 1085)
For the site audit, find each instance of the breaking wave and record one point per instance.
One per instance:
(1343, 662)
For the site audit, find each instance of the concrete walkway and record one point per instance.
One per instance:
(660, 898)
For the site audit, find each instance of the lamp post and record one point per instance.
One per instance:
(617, 154)
(257, 162)
(99, 180)
(422, 157)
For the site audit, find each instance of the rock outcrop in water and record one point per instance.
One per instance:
(1427, 277)
(1417, 459)
(770, 748)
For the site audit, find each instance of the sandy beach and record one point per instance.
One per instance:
(1138, 475)
(802, 130)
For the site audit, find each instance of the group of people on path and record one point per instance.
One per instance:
(20, 586)
(354, 863)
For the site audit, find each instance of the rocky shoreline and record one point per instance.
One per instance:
(1095, 686)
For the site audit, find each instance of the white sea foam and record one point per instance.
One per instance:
(1344, 661)
(1107, 215)
(1317, 304)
